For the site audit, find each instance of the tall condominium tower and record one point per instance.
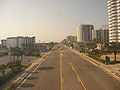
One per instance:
(114, 20)
(84, 33)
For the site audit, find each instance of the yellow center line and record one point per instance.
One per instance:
(61, 74)
(78, 78)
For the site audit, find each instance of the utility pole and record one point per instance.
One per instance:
(39, 45)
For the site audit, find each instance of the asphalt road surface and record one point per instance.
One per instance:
(65, 70)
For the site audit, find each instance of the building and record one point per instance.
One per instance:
(3, 43)
(78, 35)
(12, 42)
(105, 33)
(18, 41)
(100, 35)
(84, 33)
(64, 41)
(96, 35)
(105, 27)
(71, 38)
(114, 20)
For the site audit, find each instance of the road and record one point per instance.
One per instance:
(65, 70)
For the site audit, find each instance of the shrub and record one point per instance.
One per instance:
(96, 58)
(11, 65)
(5, 77)
(18, 63)
(2, 68)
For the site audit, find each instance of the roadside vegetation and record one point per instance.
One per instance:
(15, 65)
(96, 50)
(10, 70)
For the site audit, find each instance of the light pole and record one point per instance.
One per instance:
(9, 53)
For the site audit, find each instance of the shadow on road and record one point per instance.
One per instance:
(31, 72)
(26, 85)
(32, 78)
(35, 72)
(27, 72)
(45, 68)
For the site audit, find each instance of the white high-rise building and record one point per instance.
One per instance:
(84, 33)
(114, 20)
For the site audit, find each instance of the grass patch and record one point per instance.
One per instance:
(11, 74)
(26, 65)
(98, 59)
(114, 62)
(103, 61)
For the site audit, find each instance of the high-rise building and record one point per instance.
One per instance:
(84, 33)
(96, 35)
(105, 27)
(78, 34)
(100, 35)
(114, 20)
(105, 33)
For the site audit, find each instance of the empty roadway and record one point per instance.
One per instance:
(65, 70)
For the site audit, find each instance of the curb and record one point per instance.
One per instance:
(33, 68)
(25, 74)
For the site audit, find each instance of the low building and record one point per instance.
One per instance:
(71, 38)
(64, 41)
(18, 41)
(3, 43)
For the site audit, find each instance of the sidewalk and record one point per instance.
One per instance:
(113, 70)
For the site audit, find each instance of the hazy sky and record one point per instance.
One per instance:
(49, 20)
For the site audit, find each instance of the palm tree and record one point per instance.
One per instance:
(12, 53)
(18, 52)
(114, 47)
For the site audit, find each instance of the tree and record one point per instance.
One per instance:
(71, 44)
(12, 53)
(92, 47)
(2, 68)
(28, 48)
(4, 47)
(16, 51)
(113, 47)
